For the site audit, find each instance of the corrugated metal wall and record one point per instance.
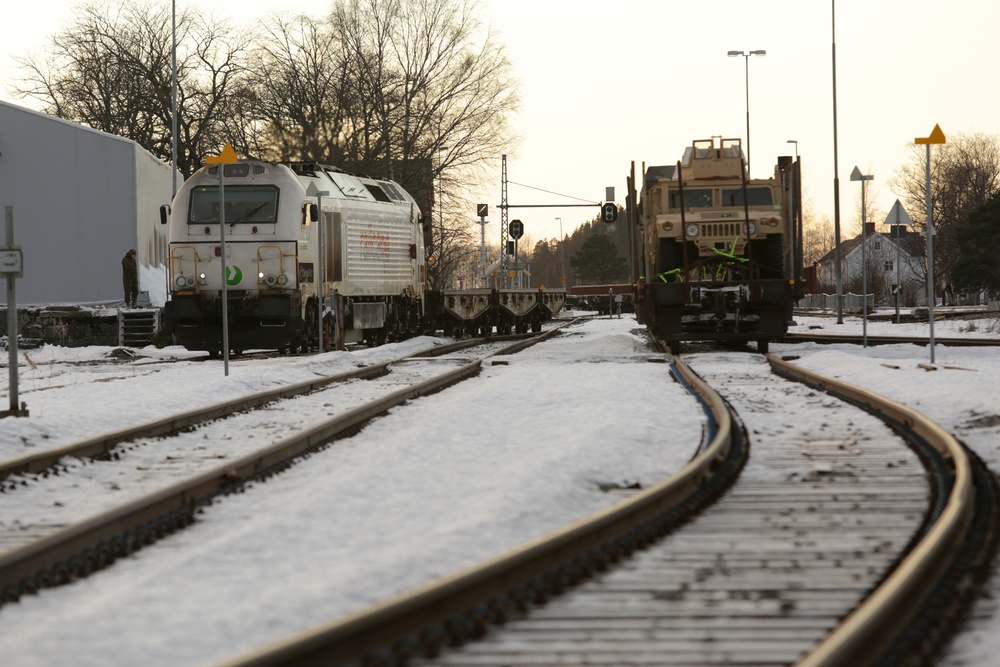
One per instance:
(81, 199)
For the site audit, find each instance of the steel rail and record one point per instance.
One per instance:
(887, 340)
(410, 622)
(81, 548)
(864, 634)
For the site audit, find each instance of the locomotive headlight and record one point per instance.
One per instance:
(692, 230)
(202, 278)
(271, 280)
(184, 282)
(260, 275)
(282, 279)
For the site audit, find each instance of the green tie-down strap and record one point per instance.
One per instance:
(724, 267)
(676, 273)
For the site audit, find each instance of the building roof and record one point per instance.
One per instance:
(848, 246)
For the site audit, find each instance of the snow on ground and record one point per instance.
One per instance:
(522, 452)
(450, 480)
(962, 394)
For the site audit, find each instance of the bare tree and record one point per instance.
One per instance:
(965, 173)
(431, 94)
(296, 89)
(111, 70)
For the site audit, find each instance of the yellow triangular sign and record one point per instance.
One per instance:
(227, 156)
(937, 137)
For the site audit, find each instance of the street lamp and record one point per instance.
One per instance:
(440, 207)
(562, 255)
(746, 59)
(856, 175)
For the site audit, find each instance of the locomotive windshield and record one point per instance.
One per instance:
(244, 203)
(755, 197)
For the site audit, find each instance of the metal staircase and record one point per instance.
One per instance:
(137, 326)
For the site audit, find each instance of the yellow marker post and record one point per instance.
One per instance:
(937, 137)
(227, 156)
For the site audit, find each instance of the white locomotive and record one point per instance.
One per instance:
(275, 218)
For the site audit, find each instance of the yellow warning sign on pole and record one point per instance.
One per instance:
(227, 156)
(937, 137)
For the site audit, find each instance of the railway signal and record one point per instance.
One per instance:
(516, 229)
(609, 212)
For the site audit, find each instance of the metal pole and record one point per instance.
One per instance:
(225, 272)
(482, 249)
(746, 61)
(562, 255)
(864, 268)
(899, 285)
(836, 179)
(930, 255)
(319, 271)
(11, 320)
(173, 97)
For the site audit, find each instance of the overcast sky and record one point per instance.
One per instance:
(604, 85)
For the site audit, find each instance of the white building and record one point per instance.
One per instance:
(81, 199)
(893, 258)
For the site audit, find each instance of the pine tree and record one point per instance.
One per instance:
(599, 262)
(978, 266)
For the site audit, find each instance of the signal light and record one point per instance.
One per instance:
(609, 212)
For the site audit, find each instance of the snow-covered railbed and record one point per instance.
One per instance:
(444, 482)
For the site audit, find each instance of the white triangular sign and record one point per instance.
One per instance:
(897, 215)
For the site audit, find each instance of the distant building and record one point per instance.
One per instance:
(81, 199)
(894, 258)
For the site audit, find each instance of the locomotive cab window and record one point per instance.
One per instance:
(244, 203)
(693, 198)
(755, 196)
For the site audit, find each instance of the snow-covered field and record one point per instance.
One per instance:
(523, 449)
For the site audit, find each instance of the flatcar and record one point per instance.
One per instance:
(722, 249)
(299, 242)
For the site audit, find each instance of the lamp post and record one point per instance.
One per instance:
(173, 99)
(936, 137)
(794, 213)
(856, 175)
(562, 255)
(746, 59)
(319, 269)
(837, 271)
(440, 150)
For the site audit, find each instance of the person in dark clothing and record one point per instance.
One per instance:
(130, 278)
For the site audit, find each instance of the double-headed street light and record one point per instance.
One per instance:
(746, 58)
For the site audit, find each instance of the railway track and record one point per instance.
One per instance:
(854, 536)
(857, 339)
(78, 527)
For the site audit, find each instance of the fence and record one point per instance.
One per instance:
(852, 302)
